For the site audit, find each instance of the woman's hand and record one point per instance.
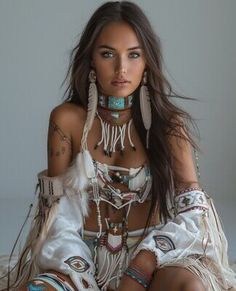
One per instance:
(145, 261)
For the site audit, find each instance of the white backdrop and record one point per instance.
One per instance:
(36, 37)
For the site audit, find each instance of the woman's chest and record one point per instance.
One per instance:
(123, 155)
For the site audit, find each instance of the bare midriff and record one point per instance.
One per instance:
(136, 220)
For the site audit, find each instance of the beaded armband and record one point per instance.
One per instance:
(50, 188)
(190, 199)
(139, 276)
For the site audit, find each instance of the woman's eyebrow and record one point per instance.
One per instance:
(135, 48)
(111, 48)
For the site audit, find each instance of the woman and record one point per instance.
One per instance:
(120, 207)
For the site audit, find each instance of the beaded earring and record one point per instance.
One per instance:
(145, 107)
(92, 99)
(92, 105)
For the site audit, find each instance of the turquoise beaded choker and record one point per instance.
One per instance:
(115, 103)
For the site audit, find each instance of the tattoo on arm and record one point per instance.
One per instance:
(56, 129)
(66, 141)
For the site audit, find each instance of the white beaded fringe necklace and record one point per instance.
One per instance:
(114, 135)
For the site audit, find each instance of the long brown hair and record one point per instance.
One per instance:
(167, 118)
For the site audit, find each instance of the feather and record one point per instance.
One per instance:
(88, 164)
(145, 107)
(92, 105)
(76, 183)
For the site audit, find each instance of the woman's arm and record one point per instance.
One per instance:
(185, 177)
(59, 141)
(194, 233)
(183, 165)
(59, 151)
(63, 250)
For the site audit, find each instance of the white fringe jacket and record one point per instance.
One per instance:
(192, 239)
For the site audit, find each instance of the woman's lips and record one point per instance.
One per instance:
(120, 83)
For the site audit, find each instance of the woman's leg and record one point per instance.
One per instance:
(175, 279)
(37, 286)
(51, 283)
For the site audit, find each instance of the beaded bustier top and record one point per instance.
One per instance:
(104, 179)
(136, 180)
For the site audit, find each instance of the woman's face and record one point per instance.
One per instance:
(118, 60)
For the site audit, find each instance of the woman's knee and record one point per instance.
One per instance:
(193, 284)
(176, 279)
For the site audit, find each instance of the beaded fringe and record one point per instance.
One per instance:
(114, 136)
(110, 266)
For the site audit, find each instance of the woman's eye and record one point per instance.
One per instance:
(134, 55)
(107, 54)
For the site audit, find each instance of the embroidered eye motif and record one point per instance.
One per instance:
(77, 264)
(163, 243)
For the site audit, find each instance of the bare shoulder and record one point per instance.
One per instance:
(69, 120)
(69, 117)
(68, 114)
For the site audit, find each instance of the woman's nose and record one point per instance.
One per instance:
(121, 67)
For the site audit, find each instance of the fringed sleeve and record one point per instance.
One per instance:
(50, 193)
(63, 248)
(193, 239)
(55, 239)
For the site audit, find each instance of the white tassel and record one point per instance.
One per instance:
(110, 266)
(145, 107)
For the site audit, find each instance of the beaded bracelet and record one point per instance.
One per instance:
(137, 275)
(189, 190)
